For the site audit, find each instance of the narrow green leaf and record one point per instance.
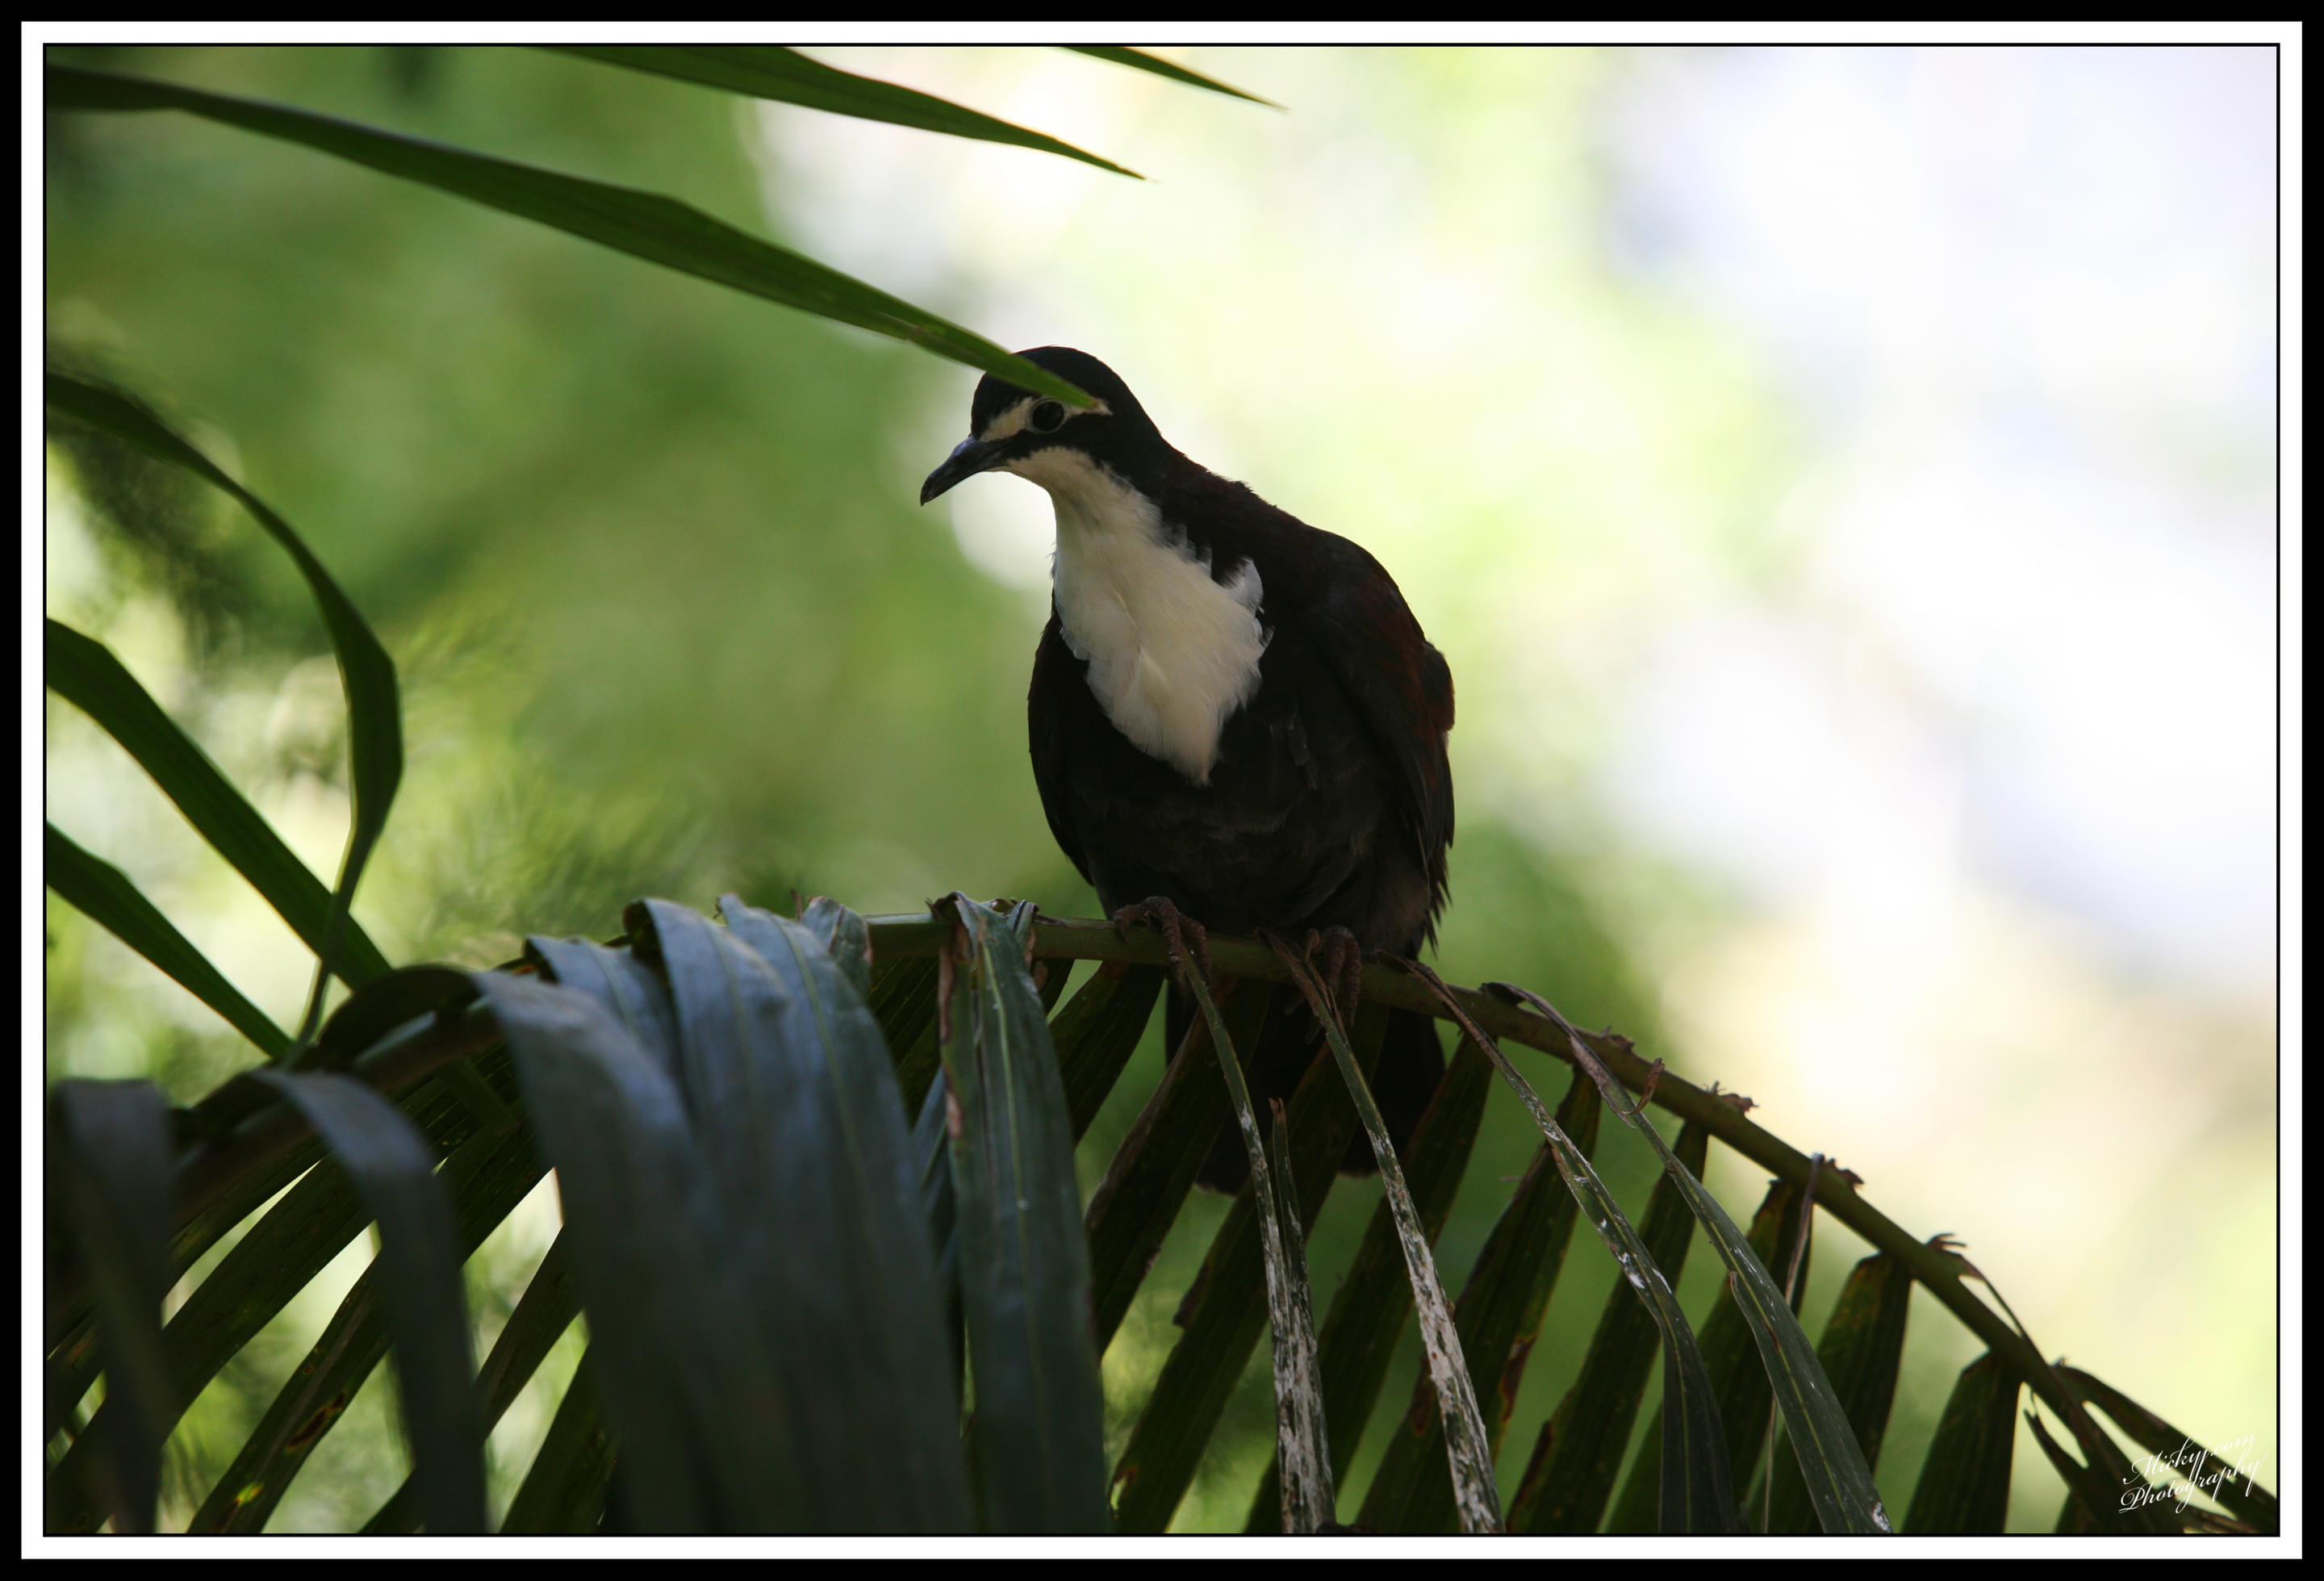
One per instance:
(1499, 1313)
(2074, 1517)
(1964, 1487)
(1154, 1168)
(931, 1145)
(112, 1160)
(1050, 979)
(103, 893)
(1301, 1445)
(1226, 1310)
(564, 1493)
(684, 1363)
(637, 999)
(1731, 1358)
(1139, 59)
(903, 1000)
(770, 71)
(1861, 1351)
(1467, 1459)
(2218, 1476)
(302, 1413)
(1839, 1480)
(845, 936)
(1517, 1271)
(798, 1142)
(487, 1178)
(2092, 1506)
(1374, 1298)
(543, 1313)
(1567, 1493)
(85, 673)
(800, 1214)
(1025, 1273)
(850, 1198)
(280, 1255)
(394, 1168)
(1096, 1033)
(644, 225)
(366, 674)
(1695, 1495)
(384, 1006)
(57, 1396)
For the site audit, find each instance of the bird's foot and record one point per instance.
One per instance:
(1341, 972)
(1190, 948)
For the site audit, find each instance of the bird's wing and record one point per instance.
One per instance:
(1401, 686)
(1053, 666)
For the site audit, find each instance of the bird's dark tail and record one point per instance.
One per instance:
(1411, 1063)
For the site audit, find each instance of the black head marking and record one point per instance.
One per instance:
(995, 395)
(1115, 432)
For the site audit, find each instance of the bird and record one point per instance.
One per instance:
(1231, 712)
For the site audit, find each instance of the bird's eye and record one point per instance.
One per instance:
(1047, 416)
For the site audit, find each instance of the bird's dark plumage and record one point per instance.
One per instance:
(1230, 708)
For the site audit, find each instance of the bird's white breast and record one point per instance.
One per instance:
(1172, 653)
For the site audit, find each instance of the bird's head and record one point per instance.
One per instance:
(1013, 429)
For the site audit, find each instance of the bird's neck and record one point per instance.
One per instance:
(1173, 650)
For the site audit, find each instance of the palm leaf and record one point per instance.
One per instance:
(645, 224)
(770, 71)
(1139, 61)
(85, 673)
(366, 674)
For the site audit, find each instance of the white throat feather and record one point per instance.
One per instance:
(1172, 653)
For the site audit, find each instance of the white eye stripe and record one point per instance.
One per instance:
(1016, 419)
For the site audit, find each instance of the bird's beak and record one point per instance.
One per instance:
(968, 457)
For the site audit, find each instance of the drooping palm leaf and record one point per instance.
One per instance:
(646, 225)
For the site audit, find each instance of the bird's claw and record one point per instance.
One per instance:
(1189, 944)
(1341, 972)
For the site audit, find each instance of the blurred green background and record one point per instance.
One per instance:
(670, 621)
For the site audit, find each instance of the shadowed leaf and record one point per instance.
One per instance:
(1469, 1460)
(1024, 1266)
(641, 1231)
(103, 893)
(1374, 1299)
(2207, 1468)
(1839, 1480)
(366, 674)
(394, 1169)
(489, 1175)
(1964, 1486)
(1730, 1356)
(542, 1315)
(645, 224)
(1139, 61)
(273, 1261)
(1565, 1491)
(1500, 1313)
(85, 673)
(770, 71)
(564, 1492)
(112, 1164)
(1226, 1311)
(1861, 1350)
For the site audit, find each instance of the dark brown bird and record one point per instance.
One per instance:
(1230, 710)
